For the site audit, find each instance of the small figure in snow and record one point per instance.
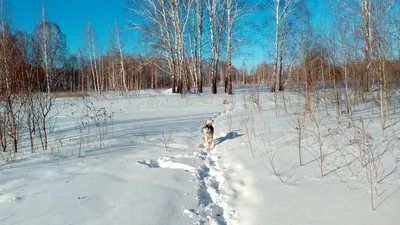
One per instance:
(208, 134)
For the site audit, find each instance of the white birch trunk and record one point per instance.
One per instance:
(228, 45)
(365, 5)
(121, 57)
(199, 7)
(276, 45)
(45, 39)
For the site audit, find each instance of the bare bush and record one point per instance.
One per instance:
(247, 124)
(45, 116)
(271, 148)
(317, 130)
(95, 123)
(299, 122)
(165, 140)
(255, 99)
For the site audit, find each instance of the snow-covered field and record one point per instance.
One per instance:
(142, 162)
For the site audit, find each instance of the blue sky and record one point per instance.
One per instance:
(72, 15)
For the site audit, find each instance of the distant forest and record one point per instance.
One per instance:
(193, 41)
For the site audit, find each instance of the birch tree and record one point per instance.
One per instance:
(179, 13)
(373, 20)
(230, 20)
(383, 14)
(234, 10)
(116, 39)
(52, 46)
(4, 49)
(216, 17)
(283, 11)
(44, 34)
(198, 17)
(164, 29)
(92, 51)
(366, 14)
(8, 121)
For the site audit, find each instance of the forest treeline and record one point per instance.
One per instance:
(192, 43)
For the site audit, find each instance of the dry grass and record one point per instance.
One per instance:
(78, 94)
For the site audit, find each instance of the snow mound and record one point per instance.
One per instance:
(167, 163)
(168, 91)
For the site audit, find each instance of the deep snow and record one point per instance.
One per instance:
(150, 166)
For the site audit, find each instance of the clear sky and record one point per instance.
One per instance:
(72, 15)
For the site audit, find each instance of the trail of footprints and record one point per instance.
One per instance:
(213, 207)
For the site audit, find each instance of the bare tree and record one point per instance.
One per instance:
(44, 47)
(366, 14)
(179, 13)
(230, 20)
(234, 10)
(51, 43)
(92, 51)
(163, 30)
(117, 41)
(283, 11)
(199, 17)
(9, 102)
(383, 14)
(373, 24)
(216, 19)
(196, 45)
(5, 47)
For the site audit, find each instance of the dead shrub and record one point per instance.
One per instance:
(79, 94)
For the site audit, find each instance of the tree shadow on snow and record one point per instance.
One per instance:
(228, 136)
